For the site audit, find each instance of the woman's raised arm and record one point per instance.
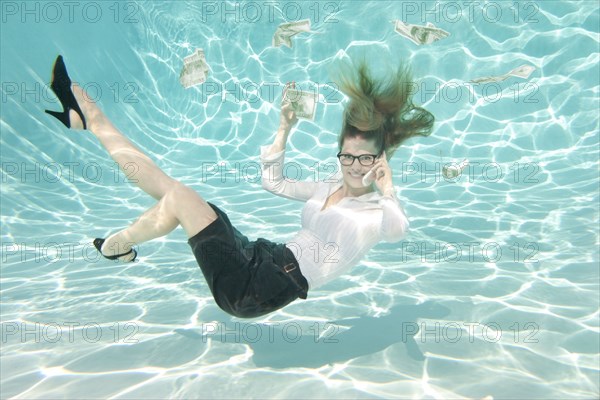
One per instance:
(272, 159)
(287, 120)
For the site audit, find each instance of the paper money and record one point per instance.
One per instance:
(420, 34)
(285, 31)
(454, 170)
(304, 104)
(194, 70)
(520, 72)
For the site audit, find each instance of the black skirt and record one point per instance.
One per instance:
(247, 279)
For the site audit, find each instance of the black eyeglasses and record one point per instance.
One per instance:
(363, 159)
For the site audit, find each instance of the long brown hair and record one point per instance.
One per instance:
(381, 110)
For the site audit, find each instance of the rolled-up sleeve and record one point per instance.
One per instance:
(274, 181)
(394, 224)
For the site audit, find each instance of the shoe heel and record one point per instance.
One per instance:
(61, 116)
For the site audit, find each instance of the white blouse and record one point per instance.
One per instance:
(334, 240)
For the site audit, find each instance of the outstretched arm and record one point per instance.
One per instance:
(287, 120)
(272, 159)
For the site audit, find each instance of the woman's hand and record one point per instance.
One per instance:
(288, 117)
(383, 176)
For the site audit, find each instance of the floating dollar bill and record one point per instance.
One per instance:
(285, 31)
(194, 70)
(454, 170)
(304, 104)
(420, 34)
(520, 72)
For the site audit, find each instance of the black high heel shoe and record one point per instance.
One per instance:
(61, 86)
(98, 245)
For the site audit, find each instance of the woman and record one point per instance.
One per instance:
(340, 222)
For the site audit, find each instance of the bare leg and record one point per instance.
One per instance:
(178, 204)
(147, 175)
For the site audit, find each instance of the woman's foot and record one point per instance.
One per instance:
(79, 111)
(113, 250)
(92, 113)
(61, 86)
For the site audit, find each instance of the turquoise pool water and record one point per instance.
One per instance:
(493, 293)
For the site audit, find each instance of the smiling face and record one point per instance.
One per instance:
(354, 173)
